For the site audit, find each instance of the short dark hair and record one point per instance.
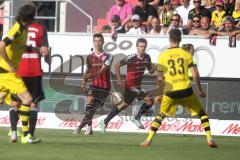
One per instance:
(187, 46)
(26, 13)
(177, 15)
(196, 16)
(175, 35)
(141, 40)
(99, 35)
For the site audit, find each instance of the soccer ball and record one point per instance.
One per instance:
(116, 98)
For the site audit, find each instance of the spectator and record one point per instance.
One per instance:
(228, 27)
(145, 11)
(218, 15)
(122, 9)
(196, 22)
(175, 3)
(210, 5)
(197, 10)
(184, 10)
(204, 28)
(236, 14)
(228, 7)
(175, 23)
(137, 27)
(156, 28)
(205, 23)
(116, 25)
(166, 13)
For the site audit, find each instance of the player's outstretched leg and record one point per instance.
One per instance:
(103, 123)
(155, 125)
(90, 110)
(89, 130)
(205, 124)
(143, 109)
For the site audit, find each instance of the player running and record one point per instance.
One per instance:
(173, 65)
(98, 70)
(11, 49)
(31, 72)
(136, 65)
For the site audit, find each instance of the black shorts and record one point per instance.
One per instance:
(132, 93)
(99, 94)
(34, 86)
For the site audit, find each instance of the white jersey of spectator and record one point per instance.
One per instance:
(183, 12)
(136, 31)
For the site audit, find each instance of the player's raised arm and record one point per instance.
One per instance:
(196, 78)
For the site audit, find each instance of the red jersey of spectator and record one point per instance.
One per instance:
(95, 63)
(30, 64)
(135, 69)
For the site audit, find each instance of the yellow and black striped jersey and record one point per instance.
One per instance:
(15, 45)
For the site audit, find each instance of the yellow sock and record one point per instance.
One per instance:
(205, 124)
(155, 125)
(208, 135)
(24, 112)
(151, 135)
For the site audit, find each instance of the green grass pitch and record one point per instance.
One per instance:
(62, 145)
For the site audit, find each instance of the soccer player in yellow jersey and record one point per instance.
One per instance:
(173, 65)
(11, 49)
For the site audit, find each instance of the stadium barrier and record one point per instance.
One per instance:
(218, 61)
(124, 124)
(64, 105)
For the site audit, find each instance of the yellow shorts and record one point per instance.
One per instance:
(192, 104)
(11, 83)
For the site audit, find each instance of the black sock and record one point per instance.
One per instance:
(13, 114)
(112, 114)
(90, 117)
(143, 109)
(90, 110)
(33, 121)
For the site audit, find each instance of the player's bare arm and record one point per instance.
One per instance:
(196, 78)
(117, 71)
(5, 57)
(153, 69)
(160, 83)
(86, 76)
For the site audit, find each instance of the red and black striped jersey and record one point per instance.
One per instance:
(94, 64)
(30, 63)
(135, 69)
